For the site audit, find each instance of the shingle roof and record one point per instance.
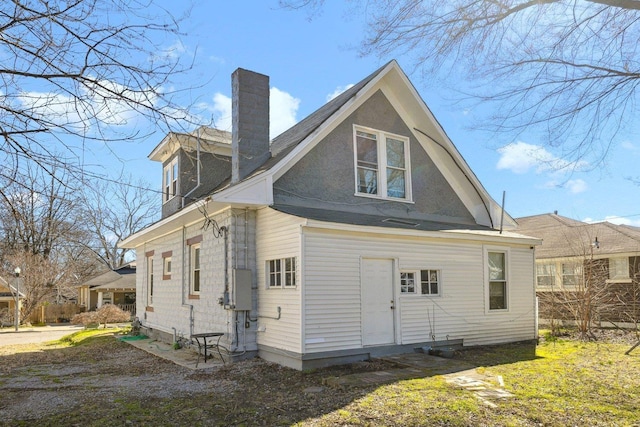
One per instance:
(121, 278)
(565, 237)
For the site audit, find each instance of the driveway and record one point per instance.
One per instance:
(33, 335)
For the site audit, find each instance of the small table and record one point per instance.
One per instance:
(205, 341)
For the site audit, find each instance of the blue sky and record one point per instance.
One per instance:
(309, 60)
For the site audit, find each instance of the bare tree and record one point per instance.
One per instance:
(567, 68)
(114, 210)
(80, 71)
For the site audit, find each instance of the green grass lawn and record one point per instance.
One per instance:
(567, 383)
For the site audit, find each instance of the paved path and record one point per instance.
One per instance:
(32, 335)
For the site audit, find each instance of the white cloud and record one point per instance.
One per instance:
(576, 186)
(628, 145)
(338, 91)
(520, 157)
(622, 221)
(222, 111)
(282, 105)
(172, 52)
(283, 108)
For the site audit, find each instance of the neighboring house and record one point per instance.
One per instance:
(113, 287)
(574, 251)
(8, 301)
(359, 231)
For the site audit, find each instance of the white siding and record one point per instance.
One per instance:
(278, 236)
(332, 291)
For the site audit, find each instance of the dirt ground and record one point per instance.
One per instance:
(108, 382)
(114, 383)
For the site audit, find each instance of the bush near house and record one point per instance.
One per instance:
(108, 313)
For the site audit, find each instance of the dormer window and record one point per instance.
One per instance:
(382, 164)
(170, 180)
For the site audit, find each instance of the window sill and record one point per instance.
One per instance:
(149, 309)
(194, 296)
(620, 280)
(166, 277)
(386, 199)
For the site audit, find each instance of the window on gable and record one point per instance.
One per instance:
(281, 273)
(382, 164)
(498, 288)
(170, 180)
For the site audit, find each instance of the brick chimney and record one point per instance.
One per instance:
(250, 122)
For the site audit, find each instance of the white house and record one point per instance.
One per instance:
(360, 231)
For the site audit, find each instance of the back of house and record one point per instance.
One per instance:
(360, 231)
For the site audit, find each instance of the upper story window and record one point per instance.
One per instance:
(170, 180)
(382, 164)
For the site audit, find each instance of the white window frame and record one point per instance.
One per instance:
(414, 284)
(170, 176)
(279, 274)
(193, 269)
(382, 165)
(150, 279)
(488, 280)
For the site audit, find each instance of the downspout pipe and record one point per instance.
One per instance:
(198, 167)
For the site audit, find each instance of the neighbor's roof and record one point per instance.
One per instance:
(566, 237)
(121, 278)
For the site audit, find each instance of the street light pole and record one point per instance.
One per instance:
(17, 282)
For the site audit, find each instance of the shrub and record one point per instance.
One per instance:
(108, 313)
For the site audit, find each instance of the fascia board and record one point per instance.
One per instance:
(458, 235)
(408, 102)
(187, 216)
(328, 125)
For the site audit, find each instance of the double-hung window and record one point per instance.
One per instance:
(619, 268)
(281, 273)
(498, 285)
(571, 274)
(195, 269)
(546, 275)
(381, 164)
(170, 180)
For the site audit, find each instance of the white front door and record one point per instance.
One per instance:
(377, 301)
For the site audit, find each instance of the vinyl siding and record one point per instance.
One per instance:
(278, 236)
(332, 291)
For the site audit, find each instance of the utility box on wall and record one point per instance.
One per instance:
(241, 290)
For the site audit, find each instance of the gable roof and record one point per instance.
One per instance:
(256, 190)
(120, 278)
(566, 237)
